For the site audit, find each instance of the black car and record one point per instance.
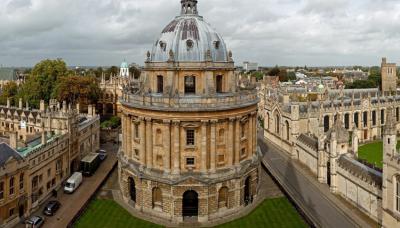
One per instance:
(34, 222)
(51, 207)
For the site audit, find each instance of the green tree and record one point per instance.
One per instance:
(258, 75)
(134, 71)
(274, 71)
(9, 90)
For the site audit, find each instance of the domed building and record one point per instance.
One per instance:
(189, 131)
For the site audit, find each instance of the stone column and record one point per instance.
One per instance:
(149, 143)
(237, 141)
(213, 146)
(176, 150)
(142, 135)
(167, 146)
(203, 166)
(230, 142)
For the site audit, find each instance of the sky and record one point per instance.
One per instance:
(270, 32)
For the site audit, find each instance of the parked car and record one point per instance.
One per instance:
(51, 207)
(102, 155)
(34, 222)
(73, 182)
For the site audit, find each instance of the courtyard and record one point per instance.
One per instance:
(373, 153)
(276, 212)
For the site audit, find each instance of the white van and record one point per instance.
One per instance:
(73, 182)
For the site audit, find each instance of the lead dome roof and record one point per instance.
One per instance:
(190, 38)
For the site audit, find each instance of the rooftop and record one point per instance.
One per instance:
(6, 153)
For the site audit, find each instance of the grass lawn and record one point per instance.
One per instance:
(108, 214)
(373, 153)
(271, 213)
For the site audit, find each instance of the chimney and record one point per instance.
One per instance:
(93, 110)
(64, 106)
(8, 103)
(44, 140)
(78, 108)
(13, 140)
(90, 110)
(27, 105)
(42, 106)
(20, 103)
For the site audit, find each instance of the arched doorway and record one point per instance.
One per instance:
(247, 192)
(190, 204)
(132, 189)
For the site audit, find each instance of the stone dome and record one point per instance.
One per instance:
(190, 39)
(124, 64)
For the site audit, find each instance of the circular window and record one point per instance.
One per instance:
(163, 45)
(189, 43)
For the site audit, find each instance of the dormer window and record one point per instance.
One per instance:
(163, 45)
(189, 44)
(217, 44)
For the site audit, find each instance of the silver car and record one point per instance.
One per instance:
(34, 222)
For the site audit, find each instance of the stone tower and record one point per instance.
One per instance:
(391, 175)
(389, 76)
(189, 148)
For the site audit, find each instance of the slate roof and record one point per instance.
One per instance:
(310, 141)
(6, 152)
(7, 74)
(360, 170)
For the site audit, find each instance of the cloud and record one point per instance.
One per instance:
(283, 32)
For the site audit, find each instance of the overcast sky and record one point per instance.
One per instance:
(270, 32)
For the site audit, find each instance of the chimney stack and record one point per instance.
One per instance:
(20, 103)
(27, 105)
(8, 103)
(78, 108)
(64, 106)
(90, 110)
(44, 140)
(13, 140)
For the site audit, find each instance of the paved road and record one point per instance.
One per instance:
(308, 196)
(71, 204)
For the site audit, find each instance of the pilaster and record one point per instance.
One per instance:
(203, 166)
(176, 150)
(149, 143)
(213, 146)
(167, 146)
(230, 142)
(237, 141)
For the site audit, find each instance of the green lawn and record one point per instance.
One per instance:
(373, 153)
(108, 214)
(271, 213)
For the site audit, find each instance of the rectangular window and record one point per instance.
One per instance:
(365, 119)
(48, 172)
(243, 152)
(137, 131)
(11, 212)
(243, 130)
(382, 116)
(21, 181)
(160, 84)
(136, 152)
(190, 137)
(190, 85)
(373, 118)
(189, 161)
(11, 185)
(1, 190)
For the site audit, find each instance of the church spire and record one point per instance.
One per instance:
(189, 7)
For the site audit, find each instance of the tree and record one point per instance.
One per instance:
(134, 71)
(10, 90)
(258, 75)
(73, 89)
(291, 76)
(274, 71)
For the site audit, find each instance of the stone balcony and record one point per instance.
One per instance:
(191, 103)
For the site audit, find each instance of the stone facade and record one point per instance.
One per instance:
(189, 147)
(389, 76)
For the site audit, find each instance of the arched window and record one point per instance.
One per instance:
(347, 120)
(365, 119)
(356, 119)
(247, 191)
(287, 130)
(157, 198)
(326, 123)
(132, 189)
(277, 123)
(383, 116)
(219, 81)
(266, 122)
(160, 84)
(190, 84)
(223, 197)
(373, 118)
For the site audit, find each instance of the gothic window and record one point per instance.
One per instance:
(326, 123)
(365, 119)
(219, 81)
(21, 181)
(397, 194)
(190, 84)
(347, 120)
(157, 198)
(160, 84)
(383, 116)
(132, 189)
(373, 118)
(287, 130)
(277, 123)
(223, 197)
(356, 119)
(190, 137)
